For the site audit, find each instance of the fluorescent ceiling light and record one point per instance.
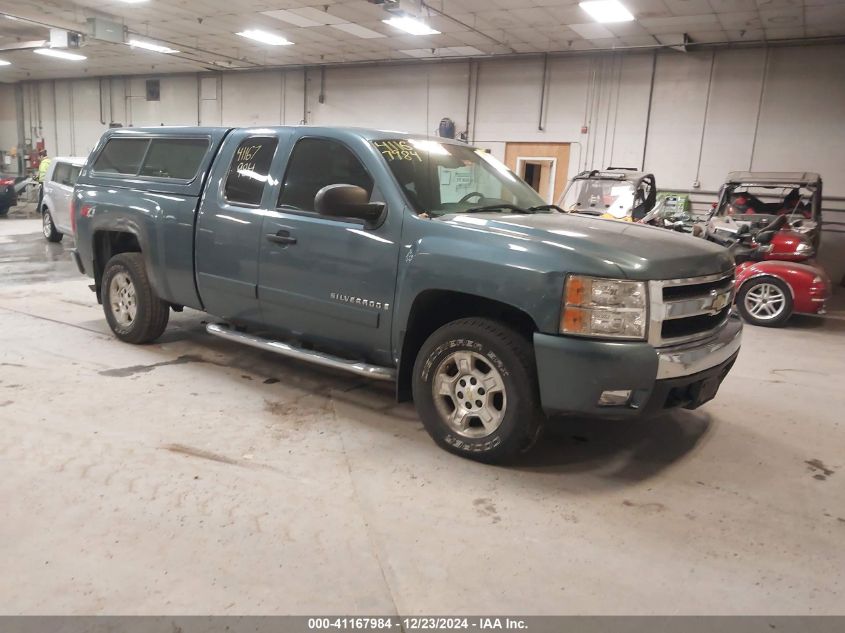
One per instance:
(412, 26)
(265, 37)
(158, 48)
(3, 62)
(53, 52)
(607, 11)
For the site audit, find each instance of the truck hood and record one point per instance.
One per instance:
(639, 251)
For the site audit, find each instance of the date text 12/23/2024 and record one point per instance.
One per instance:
(417, 623)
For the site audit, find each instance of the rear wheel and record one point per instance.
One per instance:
(51, 234)
(765, 301)
(475, 388)
(134, 311)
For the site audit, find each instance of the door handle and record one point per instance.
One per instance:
(281, 237)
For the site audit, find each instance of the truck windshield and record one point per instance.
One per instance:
(441, 178)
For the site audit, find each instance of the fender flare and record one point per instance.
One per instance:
(765, 274)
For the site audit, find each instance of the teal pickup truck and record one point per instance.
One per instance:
(416, 260)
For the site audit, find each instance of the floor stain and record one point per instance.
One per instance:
(6, 403)
(198, 452)
(190, 451)
(821, 471)
(296, 414)
(649, 507)
(486, 508)
(125, 372)
(799, 371)
(11, 365)
(271, 381)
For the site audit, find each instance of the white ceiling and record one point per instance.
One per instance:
(336, 31)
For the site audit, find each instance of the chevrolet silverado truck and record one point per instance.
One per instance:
(420, 261)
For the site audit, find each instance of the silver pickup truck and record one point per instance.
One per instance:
(420, 261)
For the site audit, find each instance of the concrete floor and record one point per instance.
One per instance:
(199, 476)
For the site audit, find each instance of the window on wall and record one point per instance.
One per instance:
(178, 158)
(122, 156)
(316, 163)
(153, 90)
(249, 170)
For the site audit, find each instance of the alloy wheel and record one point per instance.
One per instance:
(123, 300)
(765, 301)
(469, 394)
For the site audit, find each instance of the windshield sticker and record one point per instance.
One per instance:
(398, 150)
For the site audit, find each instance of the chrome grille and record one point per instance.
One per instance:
(689, 309)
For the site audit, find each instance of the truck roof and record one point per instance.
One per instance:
(370, 134)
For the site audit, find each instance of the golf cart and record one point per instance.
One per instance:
(617, 194)
(755, 199)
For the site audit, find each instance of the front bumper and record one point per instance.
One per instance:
(573, 373)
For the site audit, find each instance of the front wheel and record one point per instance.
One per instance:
(475, 388)
(765, 301)
(134, 311)
(51, 234)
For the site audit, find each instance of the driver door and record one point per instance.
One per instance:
(326, 279)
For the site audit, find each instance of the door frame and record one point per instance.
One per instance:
(552, 160)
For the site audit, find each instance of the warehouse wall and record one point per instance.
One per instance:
(701, 121)
(691, 117)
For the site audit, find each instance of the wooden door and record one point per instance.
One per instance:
(552, 160)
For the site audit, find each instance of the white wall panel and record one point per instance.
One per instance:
(802, 123)
(251, 99)
(8, 118)
(731, 115)
(677, 115)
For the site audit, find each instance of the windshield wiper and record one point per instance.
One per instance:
(497, 207)
(546, 207)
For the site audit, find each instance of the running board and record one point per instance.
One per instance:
(318, 358)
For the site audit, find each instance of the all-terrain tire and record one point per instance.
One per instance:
(134, 311)
(475, 389)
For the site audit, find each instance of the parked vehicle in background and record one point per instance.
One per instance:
(616, 194)
(58, 196)
(757, 198)
(776, 280)
(8, 194)
(416, 260)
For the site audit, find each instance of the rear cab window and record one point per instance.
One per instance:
(249, 170)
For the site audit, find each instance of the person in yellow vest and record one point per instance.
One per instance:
(43, 166)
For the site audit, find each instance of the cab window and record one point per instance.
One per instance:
(249, 171)
(316, 163)
(61, 173)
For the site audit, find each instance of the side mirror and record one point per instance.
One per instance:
(347, 201)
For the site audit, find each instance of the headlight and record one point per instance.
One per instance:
(604, 308)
